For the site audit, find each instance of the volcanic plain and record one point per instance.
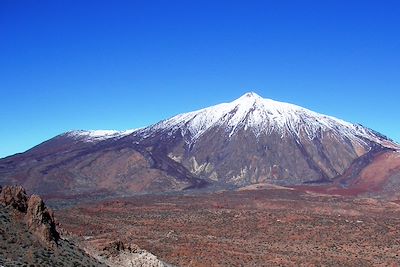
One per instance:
(254, 227)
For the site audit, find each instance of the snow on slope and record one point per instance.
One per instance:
(263, 116)
(249, 112)
(97, 135)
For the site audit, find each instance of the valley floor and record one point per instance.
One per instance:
(246, 228)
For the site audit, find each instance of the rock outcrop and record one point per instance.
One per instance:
(14, 196)
(39, 218)
(40, 221)
(114, 248)
(28, 236)
(118, 253)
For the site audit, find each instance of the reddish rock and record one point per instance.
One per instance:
(40, 221)
(14, 196)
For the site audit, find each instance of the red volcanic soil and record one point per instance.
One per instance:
(246, 228)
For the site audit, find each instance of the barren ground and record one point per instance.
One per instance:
(269, 227)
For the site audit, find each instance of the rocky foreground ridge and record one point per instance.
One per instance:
(38, 218)
(29, 237)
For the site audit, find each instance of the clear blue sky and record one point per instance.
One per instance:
(83, 64)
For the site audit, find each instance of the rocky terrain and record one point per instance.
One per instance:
(120, 254)
(29, 237)
(270, 226)
(248, 141)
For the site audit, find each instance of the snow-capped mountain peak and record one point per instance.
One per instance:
(249, 97)
(250, 112)
(262, 116)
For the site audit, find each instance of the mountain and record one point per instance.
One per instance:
(248, 141)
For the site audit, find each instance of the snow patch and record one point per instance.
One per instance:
(97, 135)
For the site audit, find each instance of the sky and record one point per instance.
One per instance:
(67, 65)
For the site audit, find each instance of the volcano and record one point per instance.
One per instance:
(250, 140)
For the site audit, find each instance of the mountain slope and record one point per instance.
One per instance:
(247, 141)
(253, 140)
(72, 165)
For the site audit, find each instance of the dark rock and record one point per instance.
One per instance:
(14, 196)
(117, 246)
